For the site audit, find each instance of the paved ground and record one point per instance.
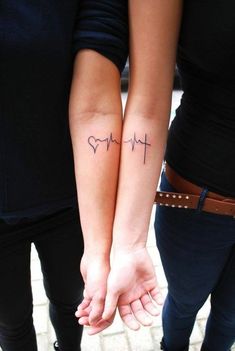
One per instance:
(117, 337)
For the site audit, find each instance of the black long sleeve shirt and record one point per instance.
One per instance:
(38, 41)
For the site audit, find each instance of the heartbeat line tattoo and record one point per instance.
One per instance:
(134, 141)
(95, 142)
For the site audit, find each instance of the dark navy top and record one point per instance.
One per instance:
(38, 41)
(201, 143)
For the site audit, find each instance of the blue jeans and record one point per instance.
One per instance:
(198, 255)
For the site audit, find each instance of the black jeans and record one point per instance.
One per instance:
(58, 240)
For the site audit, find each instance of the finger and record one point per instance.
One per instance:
(103, 324)
(84, 304)
(85, 295)
(97, 309)
(80, 313)
(127, 317)
(140, 314)
(110, 305)
(149, 306)
(157, 295)
(84, 321)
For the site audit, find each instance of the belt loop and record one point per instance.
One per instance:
(202, 199)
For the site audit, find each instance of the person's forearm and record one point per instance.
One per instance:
(95, 126)
(154, 27)
(142, 154)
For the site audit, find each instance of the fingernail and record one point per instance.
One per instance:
(104, 316)
(80, 321)
(148, 321)
(91, 332)
(134, 325)
(155, 311)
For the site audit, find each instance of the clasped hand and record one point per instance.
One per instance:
(130, 285)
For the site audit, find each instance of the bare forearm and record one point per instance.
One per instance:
(95, 125)
(152, 61)
(96, 175)
(142, 153)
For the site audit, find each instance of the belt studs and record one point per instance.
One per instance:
(179, 206)
(174, 196)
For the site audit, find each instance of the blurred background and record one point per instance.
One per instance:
(125, 78)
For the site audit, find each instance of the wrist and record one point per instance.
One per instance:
(126, 247)
(128, 239)
(97, 252)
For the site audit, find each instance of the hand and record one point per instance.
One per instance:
(83, 313)
(95, 270)
(132, 285)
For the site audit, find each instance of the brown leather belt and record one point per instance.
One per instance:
(188, 196)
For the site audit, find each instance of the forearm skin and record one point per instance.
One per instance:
(154, 29)
(95, 126)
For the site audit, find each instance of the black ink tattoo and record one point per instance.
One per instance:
(133, 141)
(95, 142)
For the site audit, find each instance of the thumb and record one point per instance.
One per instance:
(110, 306)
